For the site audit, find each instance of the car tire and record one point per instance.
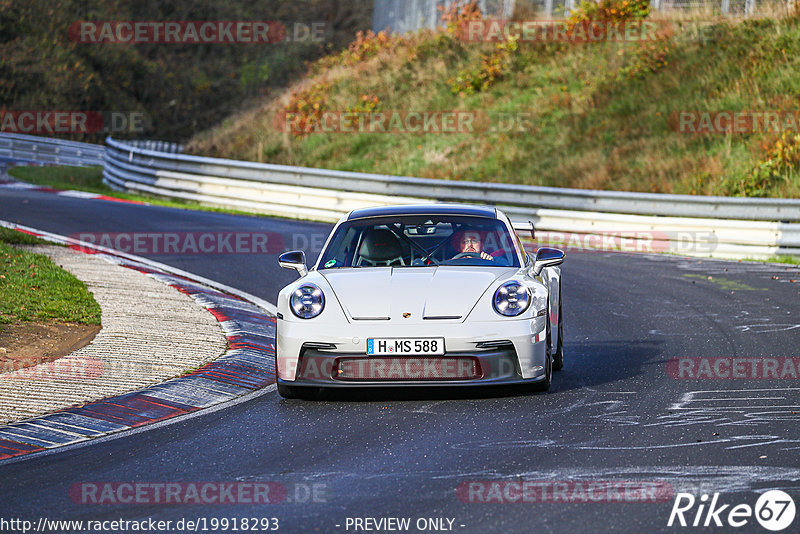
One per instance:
(299, 392)
(287, 392)
(558, 357)
(544, 385)
(306, 393)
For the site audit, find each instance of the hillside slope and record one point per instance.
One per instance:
(181, 87)
(601, 115)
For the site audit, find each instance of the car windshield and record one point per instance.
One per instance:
(419, 241)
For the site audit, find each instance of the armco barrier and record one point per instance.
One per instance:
(43, 150)
(699, 226)
(692, 225)
(765, 209)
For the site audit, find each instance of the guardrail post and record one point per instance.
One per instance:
(743, 226)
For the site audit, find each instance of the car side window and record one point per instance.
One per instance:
(521, 247)
(344, 246)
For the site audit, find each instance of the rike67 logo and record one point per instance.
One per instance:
(774, 510)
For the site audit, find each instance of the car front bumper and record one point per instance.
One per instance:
(496, 352)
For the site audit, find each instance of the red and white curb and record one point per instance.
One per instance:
(247, 365)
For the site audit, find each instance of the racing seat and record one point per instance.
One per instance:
(379, 247)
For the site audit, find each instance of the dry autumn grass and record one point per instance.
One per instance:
(600, 115)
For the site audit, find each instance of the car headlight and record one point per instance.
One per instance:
(511, 299)
(307, 301)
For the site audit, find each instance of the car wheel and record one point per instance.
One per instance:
(306, 393)
(544, 385)
(299, 392)
(287, 392)
(558, 357)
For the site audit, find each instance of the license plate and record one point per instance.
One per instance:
(405, 346)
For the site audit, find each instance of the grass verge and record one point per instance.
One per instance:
(784, 259)
(90, 179)
(600, 115)
(32, 287)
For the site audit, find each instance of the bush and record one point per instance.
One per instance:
(306, 108)
(610, 11)
(781, 163)
(491, 67)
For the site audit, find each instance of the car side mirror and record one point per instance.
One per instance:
(547, 257)
(295, 259)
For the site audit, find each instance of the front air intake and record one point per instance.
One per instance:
(402, 368)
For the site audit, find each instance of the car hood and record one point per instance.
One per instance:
(425, 292)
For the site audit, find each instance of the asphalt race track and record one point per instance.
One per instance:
(614, 412)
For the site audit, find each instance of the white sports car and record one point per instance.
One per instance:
(420, 295)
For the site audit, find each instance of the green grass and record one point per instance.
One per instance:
(82, 178)
(603, 115)
(90, 179)
(790, 260)
(32, 287)
(785, 259)
(724, 283)
(13, 237)
(71, 178)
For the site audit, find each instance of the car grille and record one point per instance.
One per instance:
(408, 368)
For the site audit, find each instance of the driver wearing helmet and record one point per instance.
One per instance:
(469, 244)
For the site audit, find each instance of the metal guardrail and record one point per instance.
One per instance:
(44, 150)
(158, 146)
(701, 226)
(595, 220)
(526, 197)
